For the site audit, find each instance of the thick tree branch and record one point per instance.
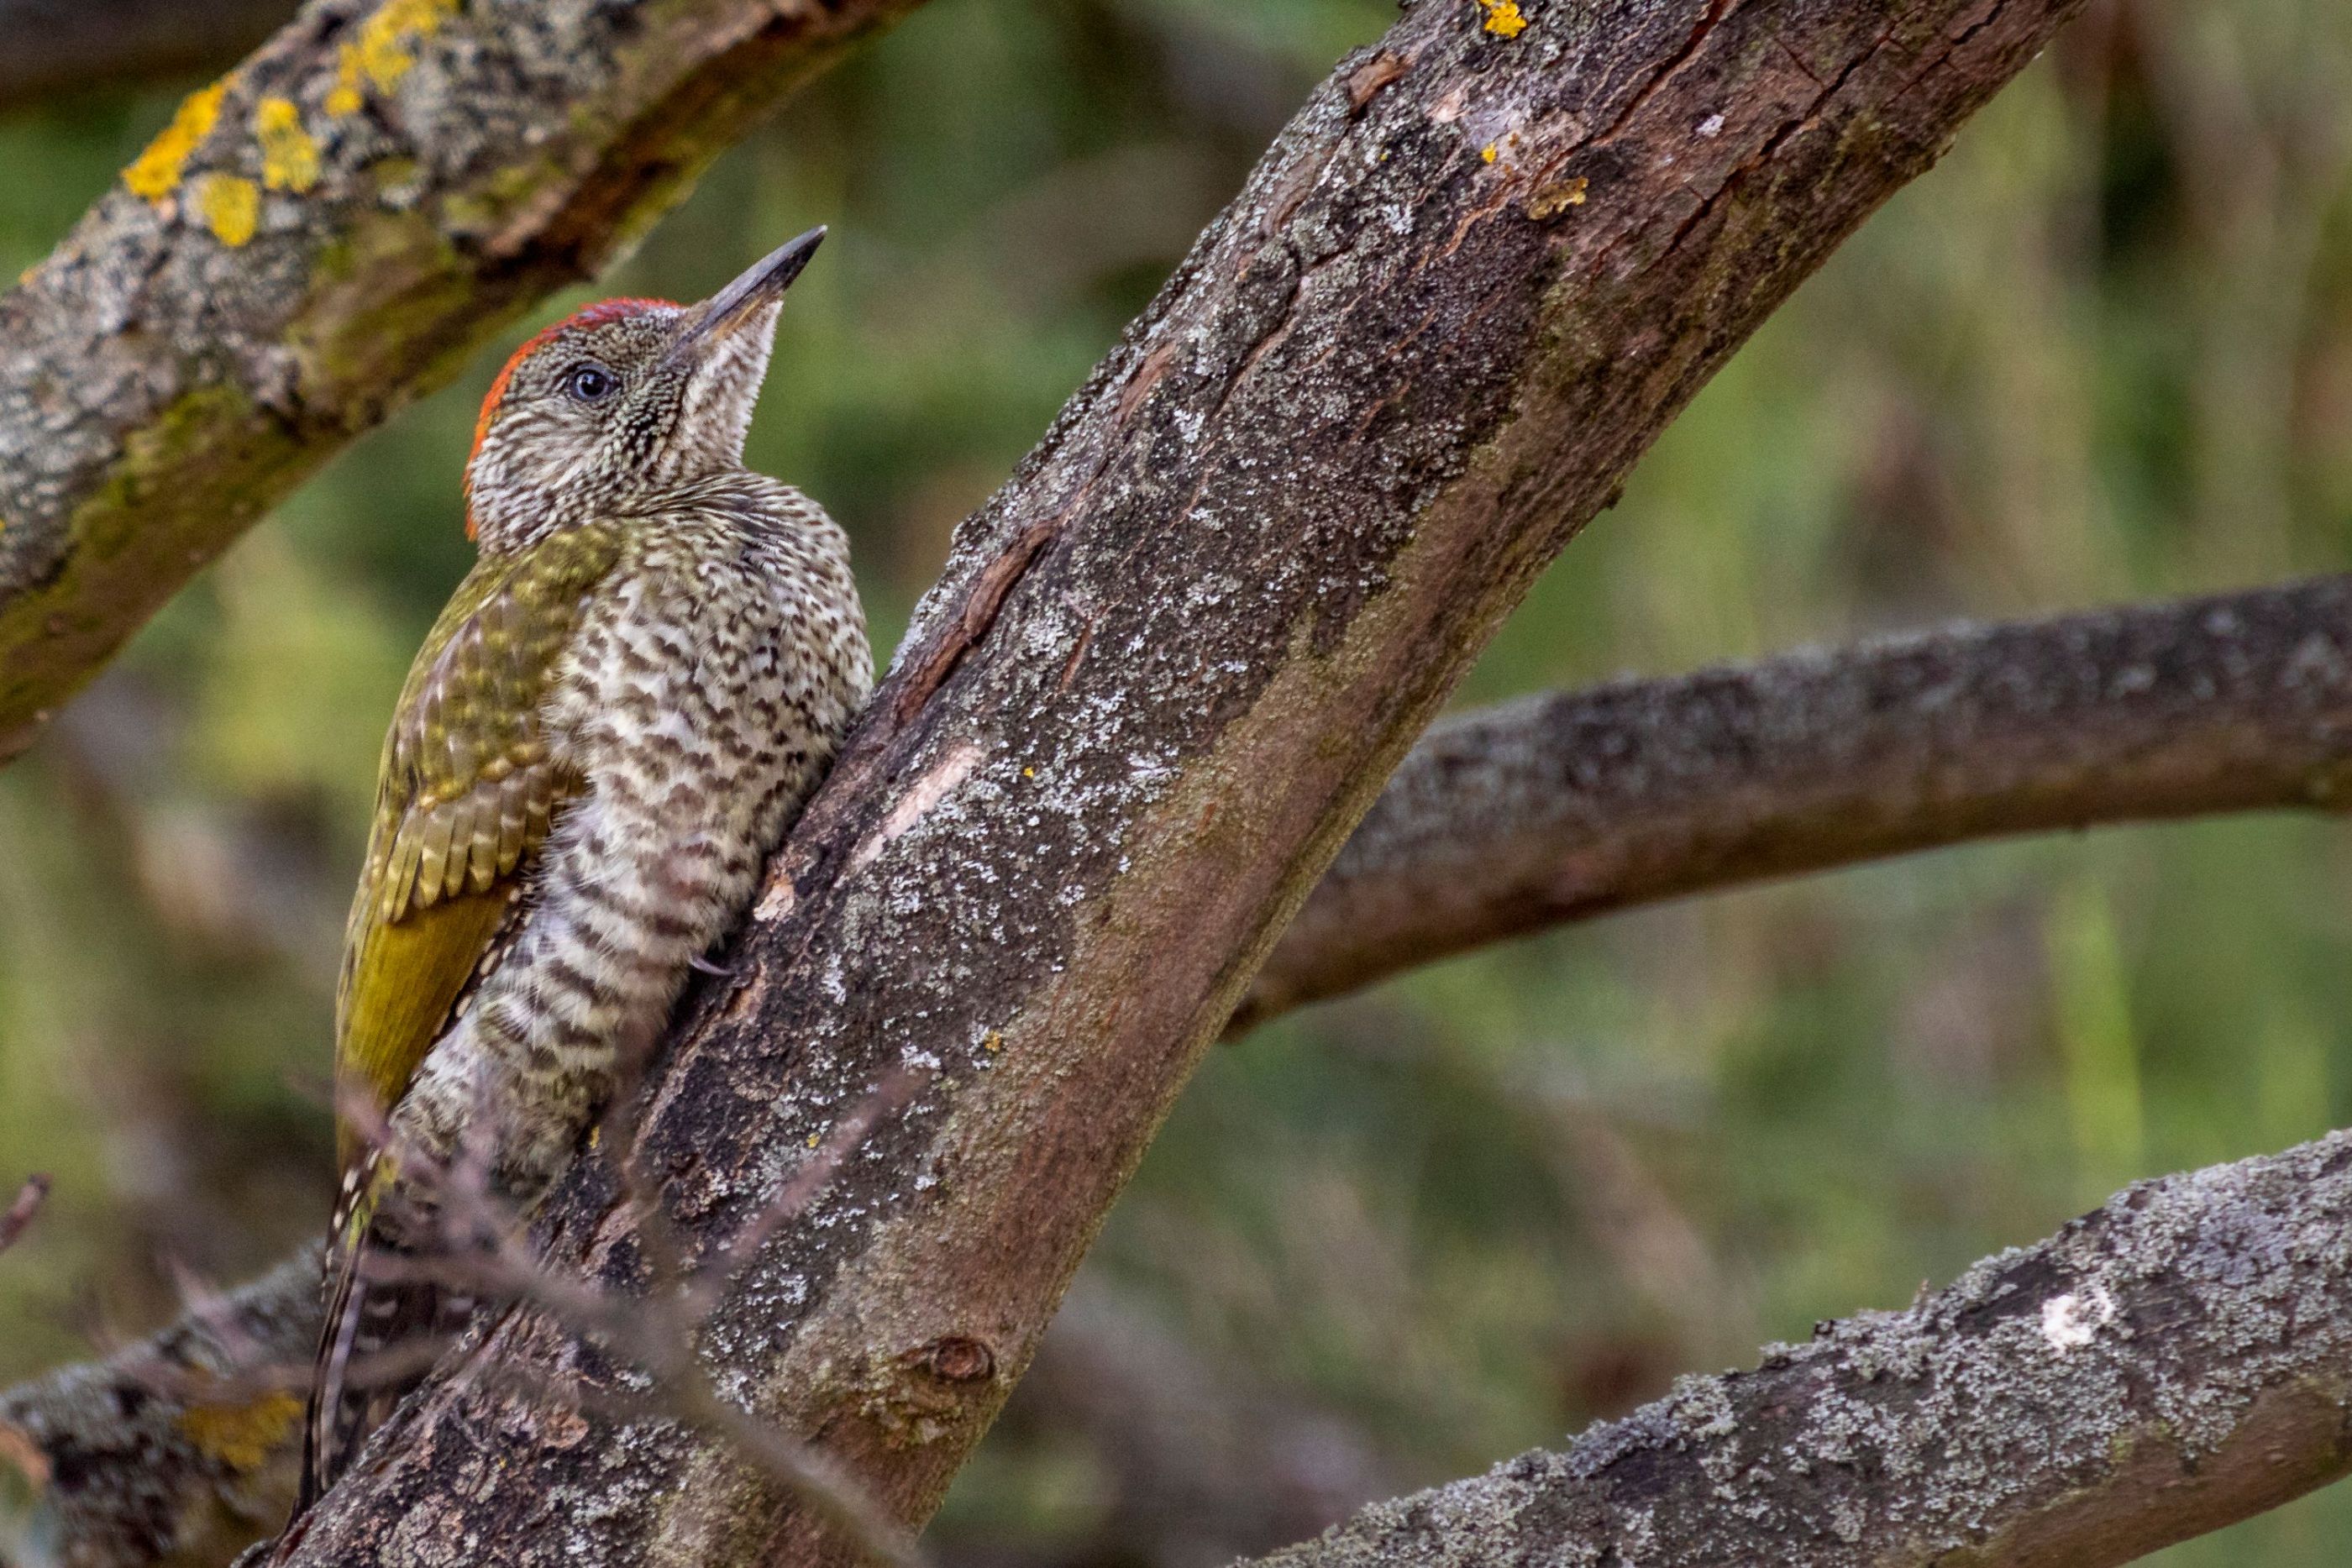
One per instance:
(1167, 668)
(318, 239)
(2176, 1361)
(179, 1450)
(1549, 810)
(2180, 1359)
(1563, 807)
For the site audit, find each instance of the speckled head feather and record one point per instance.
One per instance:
(586, 317)
(624, 397)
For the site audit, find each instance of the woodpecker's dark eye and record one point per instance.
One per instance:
(591, 382)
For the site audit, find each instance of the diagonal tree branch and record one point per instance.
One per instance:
(1167, 668)
(1562, 807)
(2176, 1361)
(318, 238)
(1642, 789)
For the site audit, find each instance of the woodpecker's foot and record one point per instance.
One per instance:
(705, 967)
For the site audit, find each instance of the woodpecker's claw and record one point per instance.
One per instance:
(705, 965)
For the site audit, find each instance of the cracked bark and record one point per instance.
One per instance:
(1552, 810)
(1532, 812)
(372, 195)
(1161, 676)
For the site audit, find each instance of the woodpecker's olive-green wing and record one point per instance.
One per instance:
(466, 793)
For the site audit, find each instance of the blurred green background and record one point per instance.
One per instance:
(2104, 351)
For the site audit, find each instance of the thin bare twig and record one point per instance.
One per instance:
(29, 1199)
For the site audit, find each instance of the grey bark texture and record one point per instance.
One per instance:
(319, 237)
(1562, 807)
(1167, 668)
(179, 1450)
(2178, 1360)
(1554, 809)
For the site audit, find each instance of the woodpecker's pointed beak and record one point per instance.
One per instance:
(743, 300)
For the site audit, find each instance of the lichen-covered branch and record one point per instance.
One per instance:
(180, 1450)
(1562, 807)
(2175, 1361)
(318, 238)
(1167, 668)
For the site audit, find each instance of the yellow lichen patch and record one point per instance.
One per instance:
(290, 158)
(1489, 152)
(1554, 199)
(242, 1436)
(385, 38)
(1502, 18)
(231, 205)
(381, 55)
(154, 172)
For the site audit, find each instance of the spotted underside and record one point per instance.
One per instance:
(606, 731)
(599, 743)
(468, 789)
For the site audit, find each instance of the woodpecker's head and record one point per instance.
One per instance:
(627, 398)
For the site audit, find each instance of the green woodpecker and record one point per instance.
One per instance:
(612, 724)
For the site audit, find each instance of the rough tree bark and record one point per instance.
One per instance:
(2167, 1365)
(1551, 810)
(318, 238)
(1561, 806)
(2176, 1361)
(1166, 669)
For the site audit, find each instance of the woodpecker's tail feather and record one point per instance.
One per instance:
(378, 1340)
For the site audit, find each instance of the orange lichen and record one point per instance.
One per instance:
(231, 205)
(1502, 18)
(155, 173)
(242, 1436)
